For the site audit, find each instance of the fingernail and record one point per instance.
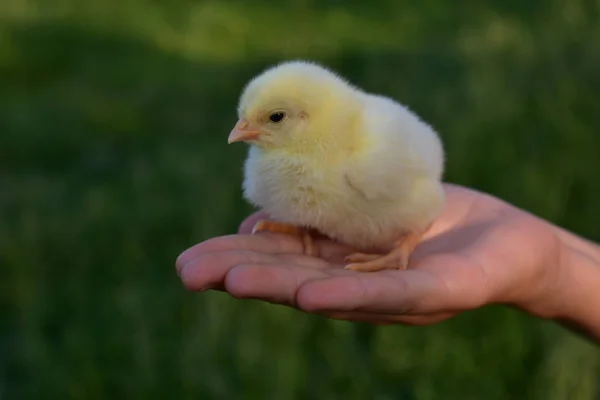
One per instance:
(205, 288)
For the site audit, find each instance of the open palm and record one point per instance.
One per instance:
(480, 251)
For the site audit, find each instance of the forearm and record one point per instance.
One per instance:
(579, 294)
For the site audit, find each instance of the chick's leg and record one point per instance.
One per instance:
(397, 258)
(264, 225)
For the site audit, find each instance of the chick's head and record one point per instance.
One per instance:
(295, 105)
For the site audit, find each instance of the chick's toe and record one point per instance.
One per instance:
(397, 258)
(264, 225)
(362, 257)
(374, 263)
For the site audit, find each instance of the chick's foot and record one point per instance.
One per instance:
(397, 258)
(264, 225)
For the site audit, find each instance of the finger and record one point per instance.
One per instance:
(269, 282)
(247, 225)
(208, 270)
(264, 243)
(268, 243)
(375, 319)
(387, 319)
(423, 320)
(409, 292)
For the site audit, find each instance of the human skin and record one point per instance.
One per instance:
(480, 251)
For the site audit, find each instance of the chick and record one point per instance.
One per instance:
(330, 158)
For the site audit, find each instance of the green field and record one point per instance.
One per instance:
(114, 117)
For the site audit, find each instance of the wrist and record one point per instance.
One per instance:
(567, 281)
(572, 296)
(544, 290)
(579, 294)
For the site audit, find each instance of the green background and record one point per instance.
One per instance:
(113, 159)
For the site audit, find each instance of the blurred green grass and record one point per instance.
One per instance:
(113, 159)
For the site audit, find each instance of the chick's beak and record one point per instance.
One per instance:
(242, 132)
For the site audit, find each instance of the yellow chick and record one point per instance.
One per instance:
(326, 156)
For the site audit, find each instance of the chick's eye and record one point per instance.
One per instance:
(277, 117)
